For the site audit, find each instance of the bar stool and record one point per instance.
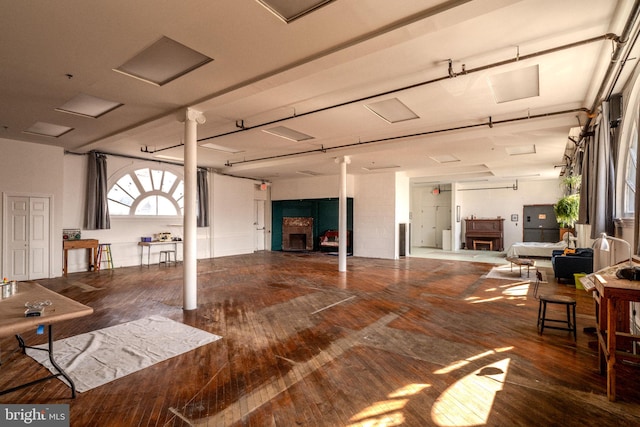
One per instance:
(104, 248)
(165, 257)
(568, 302)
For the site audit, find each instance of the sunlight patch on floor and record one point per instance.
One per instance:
(387, 413)
(468, 402)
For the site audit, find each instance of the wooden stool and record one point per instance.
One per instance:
(167, 257)
(568, 302)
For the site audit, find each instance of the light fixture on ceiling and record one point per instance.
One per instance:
(445, 158)
(308, 173)
(392, 110)
(288, 133)
(378, 168)
(163, 61)
(518, 150)
(517, 84)
(221, 148)
(288, 10)
(88, 106)
(48, 129)
(167, 157)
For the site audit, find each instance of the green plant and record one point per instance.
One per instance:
(571, 184)
(567, 210)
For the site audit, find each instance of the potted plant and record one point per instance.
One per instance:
(567, 209)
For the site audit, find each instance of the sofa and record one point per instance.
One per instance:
(329, 241)
(565, 265)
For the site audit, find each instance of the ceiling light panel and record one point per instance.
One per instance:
(516, 84)
(163, 61)
(221, 148)
(517, 150)
(48, 129)
(288, 10)
(377, 168)
(445, 158)
(288, 133)
(88, 106)
(392, 110)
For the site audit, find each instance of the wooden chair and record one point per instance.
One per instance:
(568, 324)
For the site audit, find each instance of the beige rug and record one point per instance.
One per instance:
(506, 272)
(102, 356)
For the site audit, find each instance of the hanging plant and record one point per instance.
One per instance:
(567, 210)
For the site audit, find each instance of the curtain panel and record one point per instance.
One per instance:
(97, 209)
(598, 178)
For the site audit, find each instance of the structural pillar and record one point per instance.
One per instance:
(342, 214)
(190, 242)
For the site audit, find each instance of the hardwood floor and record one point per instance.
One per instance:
(413, 342)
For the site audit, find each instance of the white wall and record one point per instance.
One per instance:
(374, 216)
(231, 221)
(505, 201)
(316, 187)
(34, 170)
(233, 204)
(403, 209)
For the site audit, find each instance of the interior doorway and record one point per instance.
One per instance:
(27, 237)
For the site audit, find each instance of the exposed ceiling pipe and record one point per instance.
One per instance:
(490, 123)
(608, 36)
(619, 58)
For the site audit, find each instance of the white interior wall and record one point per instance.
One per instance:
(232, 216)
(403, 209)
(313, 187)
(374, 216)
(503, 202)
(34, 170)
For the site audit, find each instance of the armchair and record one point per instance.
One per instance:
(566, 265)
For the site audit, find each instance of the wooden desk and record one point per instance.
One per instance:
(91, 245)
(148, 245)
(13, 321)
(612, 296)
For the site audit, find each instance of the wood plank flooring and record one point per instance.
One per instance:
(412, 342)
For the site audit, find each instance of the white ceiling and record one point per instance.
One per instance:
(315, 75)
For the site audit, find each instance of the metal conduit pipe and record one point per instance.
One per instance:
(242, 128)
(622, 47)
(490, 123)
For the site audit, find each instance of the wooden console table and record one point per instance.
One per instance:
(612, 296)
(91, 245)
(13, 322)
(487, 232)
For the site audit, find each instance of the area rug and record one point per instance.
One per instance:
(101, 356)
(507, 273)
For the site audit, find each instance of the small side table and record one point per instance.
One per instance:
(520, 262)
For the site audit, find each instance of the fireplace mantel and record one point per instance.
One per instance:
(297, 234)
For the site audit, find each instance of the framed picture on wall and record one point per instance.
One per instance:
(514, 217)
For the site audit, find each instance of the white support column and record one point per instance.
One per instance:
(190, 257)
(342, 215)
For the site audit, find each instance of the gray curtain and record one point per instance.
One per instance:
(598, 178)
(203, 198)
(97, 211)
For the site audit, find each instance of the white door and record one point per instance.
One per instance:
(27, 230)
(258, 222)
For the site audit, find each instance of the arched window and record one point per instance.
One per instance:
(630, 172)
(147, 191)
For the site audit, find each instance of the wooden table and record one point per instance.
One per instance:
(91, 245)
(148, 245)
(13, 321)
(612, 296)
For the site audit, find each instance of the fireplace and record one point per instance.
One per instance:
(297, 234)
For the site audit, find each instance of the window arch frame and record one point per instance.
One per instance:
(130, 170)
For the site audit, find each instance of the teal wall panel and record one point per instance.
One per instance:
(323, 211)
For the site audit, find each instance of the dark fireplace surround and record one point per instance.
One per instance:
(297, 234)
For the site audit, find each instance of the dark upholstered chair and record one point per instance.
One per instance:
(565, 266)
